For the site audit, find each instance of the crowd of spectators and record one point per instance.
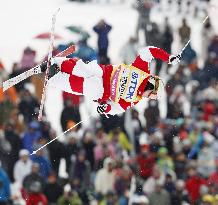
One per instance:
(167, 161)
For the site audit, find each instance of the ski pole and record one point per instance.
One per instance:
(62, 134)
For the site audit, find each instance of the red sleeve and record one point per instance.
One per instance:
(142, 65)
(107, 70)
(159, 53)
(68, 65)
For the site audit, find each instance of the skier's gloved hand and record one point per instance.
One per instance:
(54, 69)
(102, 108)
(174, 59)
(43, 66)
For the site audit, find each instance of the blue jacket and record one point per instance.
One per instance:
(45, 166)
(4, 186)
(102, 35)
(86, 53)
(29, 139)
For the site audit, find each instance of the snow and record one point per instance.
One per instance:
(22, 20)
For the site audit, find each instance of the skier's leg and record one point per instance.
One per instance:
(62, 81)
(77, 67)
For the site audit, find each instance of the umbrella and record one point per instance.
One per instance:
(79, 30)
(47, 35)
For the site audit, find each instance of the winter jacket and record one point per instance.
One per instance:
(104, 181)
(193, 185)
(71, 200)
(30, 179)
(53, 191)
(29, 139)
(86, 53)
(146, 164)
(21, 170)
(45, 166)
(4, 186)
(36, 199)
(160, 198)
(102, 35)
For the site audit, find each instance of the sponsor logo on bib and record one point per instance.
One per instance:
(131, 91)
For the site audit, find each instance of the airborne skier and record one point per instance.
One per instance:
(115, 88)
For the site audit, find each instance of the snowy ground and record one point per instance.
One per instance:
(21, 20)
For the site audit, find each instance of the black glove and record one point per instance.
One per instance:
(102, 108)
(54, 69)
(174, 59)
(43, 66)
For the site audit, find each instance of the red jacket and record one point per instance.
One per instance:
(193, 185)
(36, 199)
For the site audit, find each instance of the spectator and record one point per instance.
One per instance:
(69, 113)
(31, 136)
(189, 55)
(71, 149)
(169, 184)
(23, 166)
(110, 198)
(85, 52)
(179, 196)
(34, 176)
(184, 32)
(28, 59)
(15, 143)
(88, 145)
(159, 196)
(4, 187)
(144, 8)
(80, 169)
(146, 162)
(102, 29)
(44, 164)
(167, 36)
(193, 184)
(5, 150)
(213, 178)
(157, 176)
(120, 141)
(69, 197)
(165, 162)
(151, 114)
(206, 159)
(28, 106)
(56, 152)
(52, 189)
(35, 196)
(105, 177)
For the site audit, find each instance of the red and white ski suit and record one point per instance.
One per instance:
(99, 82)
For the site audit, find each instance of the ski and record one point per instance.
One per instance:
(35, 70)
(48, 65)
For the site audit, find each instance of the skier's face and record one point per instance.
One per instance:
(149, 94)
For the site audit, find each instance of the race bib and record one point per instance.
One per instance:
(125, 81)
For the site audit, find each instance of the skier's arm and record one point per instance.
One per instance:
(147, 54)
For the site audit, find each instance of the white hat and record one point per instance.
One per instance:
(24, 152)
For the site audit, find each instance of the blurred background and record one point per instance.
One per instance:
(161, 152)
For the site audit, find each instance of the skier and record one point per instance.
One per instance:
(115, 88)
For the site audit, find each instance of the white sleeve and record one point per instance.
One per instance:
(145, 53)
(115, 108)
